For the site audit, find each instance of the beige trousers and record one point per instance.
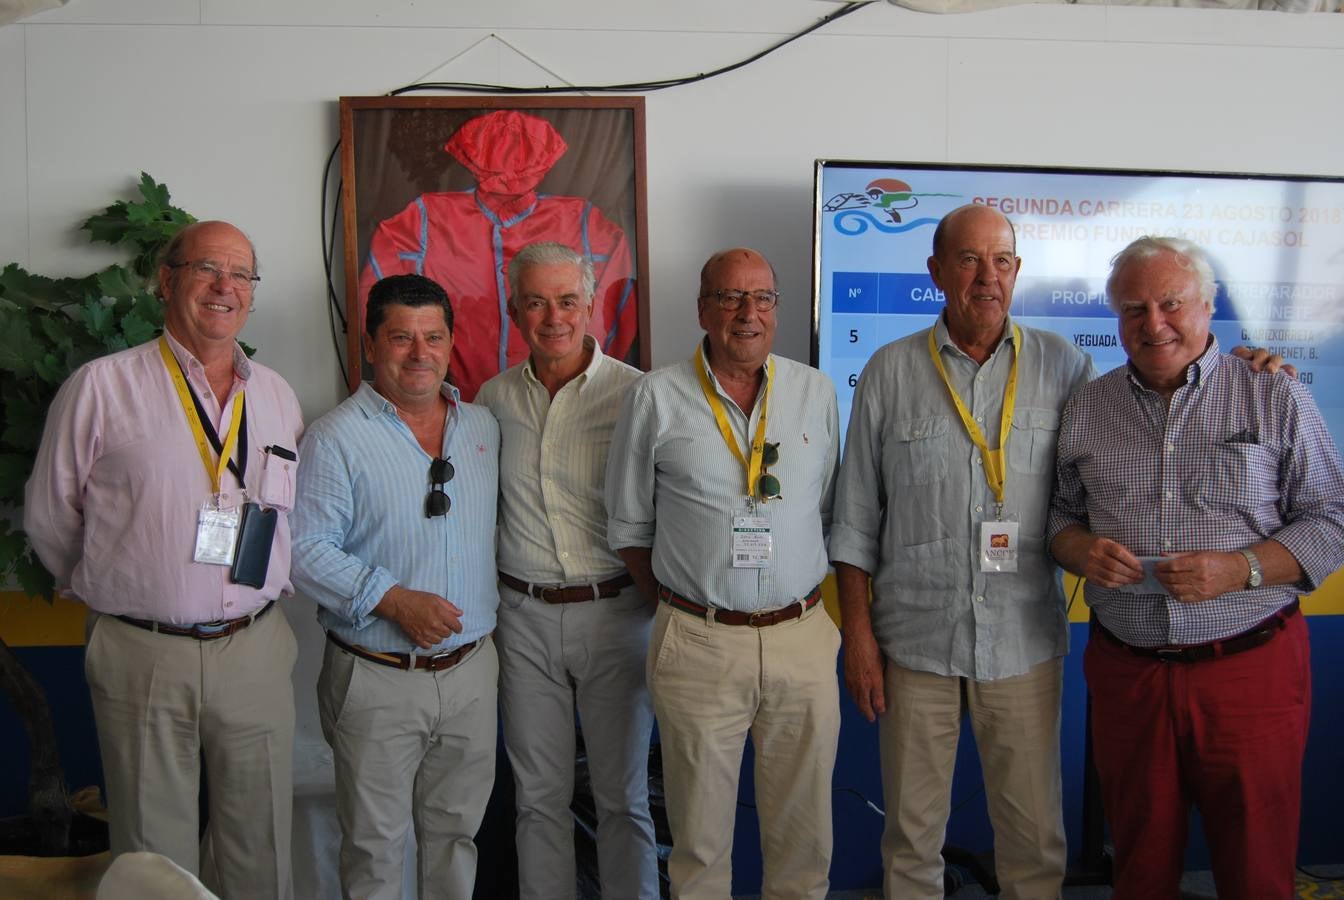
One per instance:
(1016, 725)
(162, 702)
(712, 684)
(410, 748)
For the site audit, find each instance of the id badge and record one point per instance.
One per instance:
(998, 546)
(753, 542)
(217, 534)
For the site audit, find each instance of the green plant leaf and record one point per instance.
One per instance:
(14, 471)
(154, 193)
(137, 330)
(50, 368)
(33, 577)
(21, 415)
(12, 546)
(28, 291)
(97, 318)
(18, 350)
(56, 329)
(114, 282)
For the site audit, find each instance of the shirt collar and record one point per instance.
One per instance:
(581, 379)
(704, 359)
(945, 342)
(374, 404)
(1195, 374)
(242, 366)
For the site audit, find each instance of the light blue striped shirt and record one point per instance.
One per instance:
(912, 494)
(359, 522)
(673, 484)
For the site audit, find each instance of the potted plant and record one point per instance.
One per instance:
(48, 328)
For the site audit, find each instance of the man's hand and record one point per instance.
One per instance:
(1098, 559)
(639, 562)
(1202, 575)
(864, 664)
(864, 669)
(1261, 360)
(425, 618)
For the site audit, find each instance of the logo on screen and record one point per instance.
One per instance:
(884, 204)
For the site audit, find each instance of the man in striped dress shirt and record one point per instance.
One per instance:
(394, 539)
(1200, 500)
(573, 629)
(719, 498)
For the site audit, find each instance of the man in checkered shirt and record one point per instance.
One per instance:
(1199, 499)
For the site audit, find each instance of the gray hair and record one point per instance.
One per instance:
(1189, 256)
(550, 253)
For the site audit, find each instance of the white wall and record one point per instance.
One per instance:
(232, 103)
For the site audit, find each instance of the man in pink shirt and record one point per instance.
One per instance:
(153, 462)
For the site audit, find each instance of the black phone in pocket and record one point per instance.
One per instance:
(252, 556)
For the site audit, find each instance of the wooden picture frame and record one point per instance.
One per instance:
(452, 187)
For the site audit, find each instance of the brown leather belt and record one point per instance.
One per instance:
(202, 631)
(1248, 640)
(734, 617)
(408, 661)
(574, 593)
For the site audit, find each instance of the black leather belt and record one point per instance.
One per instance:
(574, 593)
(202, 631)
(1239, 643)
(734, 617)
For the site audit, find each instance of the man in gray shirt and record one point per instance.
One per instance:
(953, 626)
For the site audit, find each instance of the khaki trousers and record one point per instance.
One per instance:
(1016, 725)
(162, 702)
(409, 747)
(712, 684)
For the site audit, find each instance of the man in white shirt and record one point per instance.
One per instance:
(573, 629)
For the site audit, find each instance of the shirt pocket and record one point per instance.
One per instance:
(1238, 478)
(917, 450)
(1032, 440)
(277, 481)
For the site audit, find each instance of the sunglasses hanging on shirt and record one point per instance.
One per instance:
(437, 503)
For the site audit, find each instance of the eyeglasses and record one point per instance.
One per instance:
(731, 301)
(437, 503)
(241, 279)
(767, 485)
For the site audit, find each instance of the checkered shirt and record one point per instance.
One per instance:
(1235, 457)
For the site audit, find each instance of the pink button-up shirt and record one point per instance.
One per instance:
(112, 504)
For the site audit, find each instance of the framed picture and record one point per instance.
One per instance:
(452, 187)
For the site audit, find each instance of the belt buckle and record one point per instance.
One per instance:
(543, 591)
(756, 619)
(1170, 654)
(204, 631)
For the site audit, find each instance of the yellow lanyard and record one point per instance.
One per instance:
(215, 471)
(753, 466)
(993, 459)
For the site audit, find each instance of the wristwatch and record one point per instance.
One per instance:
(1257, 574)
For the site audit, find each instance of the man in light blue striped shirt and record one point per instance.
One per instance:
(394, 537)
(719, 490)
(573, 629)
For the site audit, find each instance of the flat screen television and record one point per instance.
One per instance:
(1276, 241)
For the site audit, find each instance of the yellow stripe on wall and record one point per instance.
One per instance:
(29, 622)
(25, 622)
(1327, 601)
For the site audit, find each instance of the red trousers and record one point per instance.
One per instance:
(1227, 735)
